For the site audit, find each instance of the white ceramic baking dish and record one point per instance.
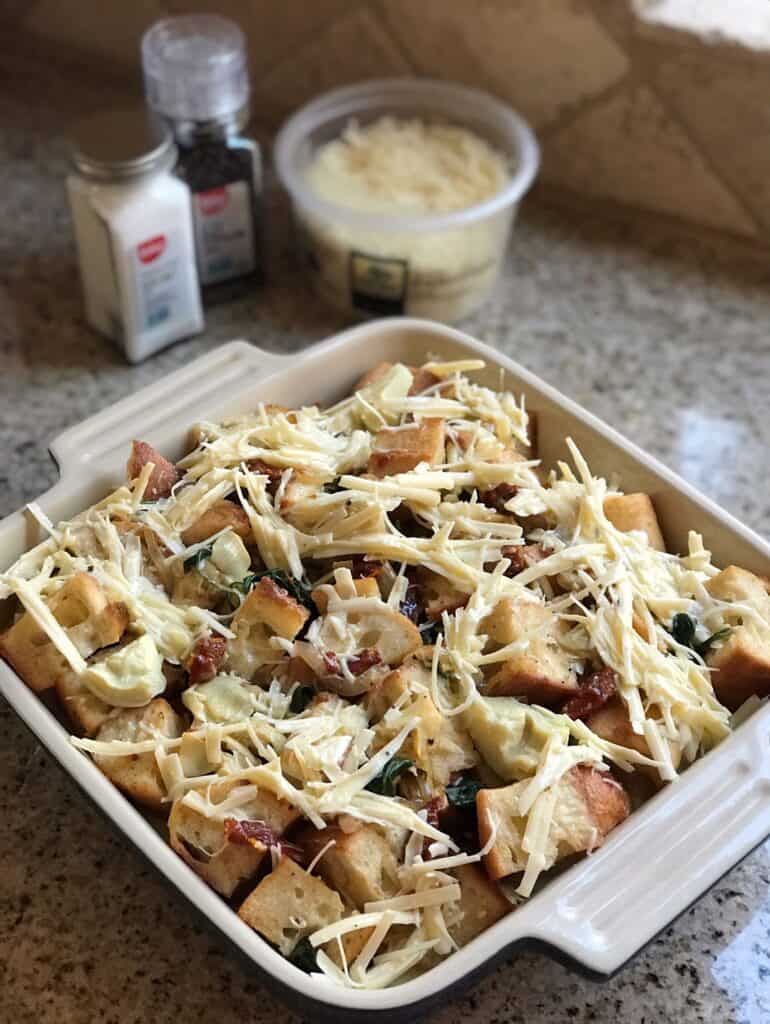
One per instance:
(599, 912)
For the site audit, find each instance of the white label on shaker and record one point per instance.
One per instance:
(224, 232)
(160, 290)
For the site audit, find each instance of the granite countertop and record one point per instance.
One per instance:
(662, 333)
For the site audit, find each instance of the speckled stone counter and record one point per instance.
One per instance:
(663, 334)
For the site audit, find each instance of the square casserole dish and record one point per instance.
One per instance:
(602, 910)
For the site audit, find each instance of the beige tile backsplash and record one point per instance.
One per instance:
(658, 120)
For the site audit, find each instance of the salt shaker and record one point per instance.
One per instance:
(133, 231)
(196, 79)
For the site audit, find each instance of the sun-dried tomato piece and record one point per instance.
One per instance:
(357, 663)
(332, 663)
(522, 556)
(206, 658)
(273, 473)
(496, 497)
(258, 834)
(595, 690)
(363, 567)
(364, 660)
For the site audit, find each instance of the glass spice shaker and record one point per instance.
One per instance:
(196, 79)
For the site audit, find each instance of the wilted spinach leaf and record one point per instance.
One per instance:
(386, 782)
(301, 698)
(429, 632)
(304, 957)
(299, 589)
(462, 792)
(201, 555)
(332, 486)
(683, 631)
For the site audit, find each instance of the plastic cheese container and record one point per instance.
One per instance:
(439, 265)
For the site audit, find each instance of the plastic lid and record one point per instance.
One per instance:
(121, 144)
(195, 67)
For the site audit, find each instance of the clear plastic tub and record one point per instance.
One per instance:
(440, 266)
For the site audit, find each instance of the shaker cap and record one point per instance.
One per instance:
(119, 144)
(195, 67)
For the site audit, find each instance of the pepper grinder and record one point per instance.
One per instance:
(196, 80)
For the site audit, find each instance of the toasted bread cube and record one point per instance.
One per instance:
(438, 745)
(421, 378)
(84, 709)
(481, 904)
(736, 584)
(268, 611)
(366, 586)
(289, 904)
(613, 724)
(630, 512)
(371, 376)
(90, 619)
(541, 673)
(164, 473)
(200, 841)
(589, 804)
(438, 595)
(220, 516)
(399, 449)
(361, 865)
(742, 661)
(270, 604)
(137, 775)
(352, 944)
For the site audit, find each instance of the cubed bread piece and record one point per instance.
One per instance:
(542, 673)
(270, 604)
(202, 842)
(361, 865)
(742, 586)
(137, 775)
(635, 512)
(289, 904)
(399, 449)
(84, 709)
(613, 724)
(421, 378)
(164, 473)
(91, 621)
(742, 665)
(352, 944)
(481, 904)
(589, 804)
(365, 586)
(438, 595)
(742, 661)
(376, 373)
(220, 516)
(267, 611)
(438, 745)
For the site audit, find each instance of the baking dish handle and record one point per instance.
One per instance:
(666, 855)
(175, 400)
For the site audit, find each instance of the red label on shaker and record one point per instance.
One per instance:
(213, 201)
(151, 249)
